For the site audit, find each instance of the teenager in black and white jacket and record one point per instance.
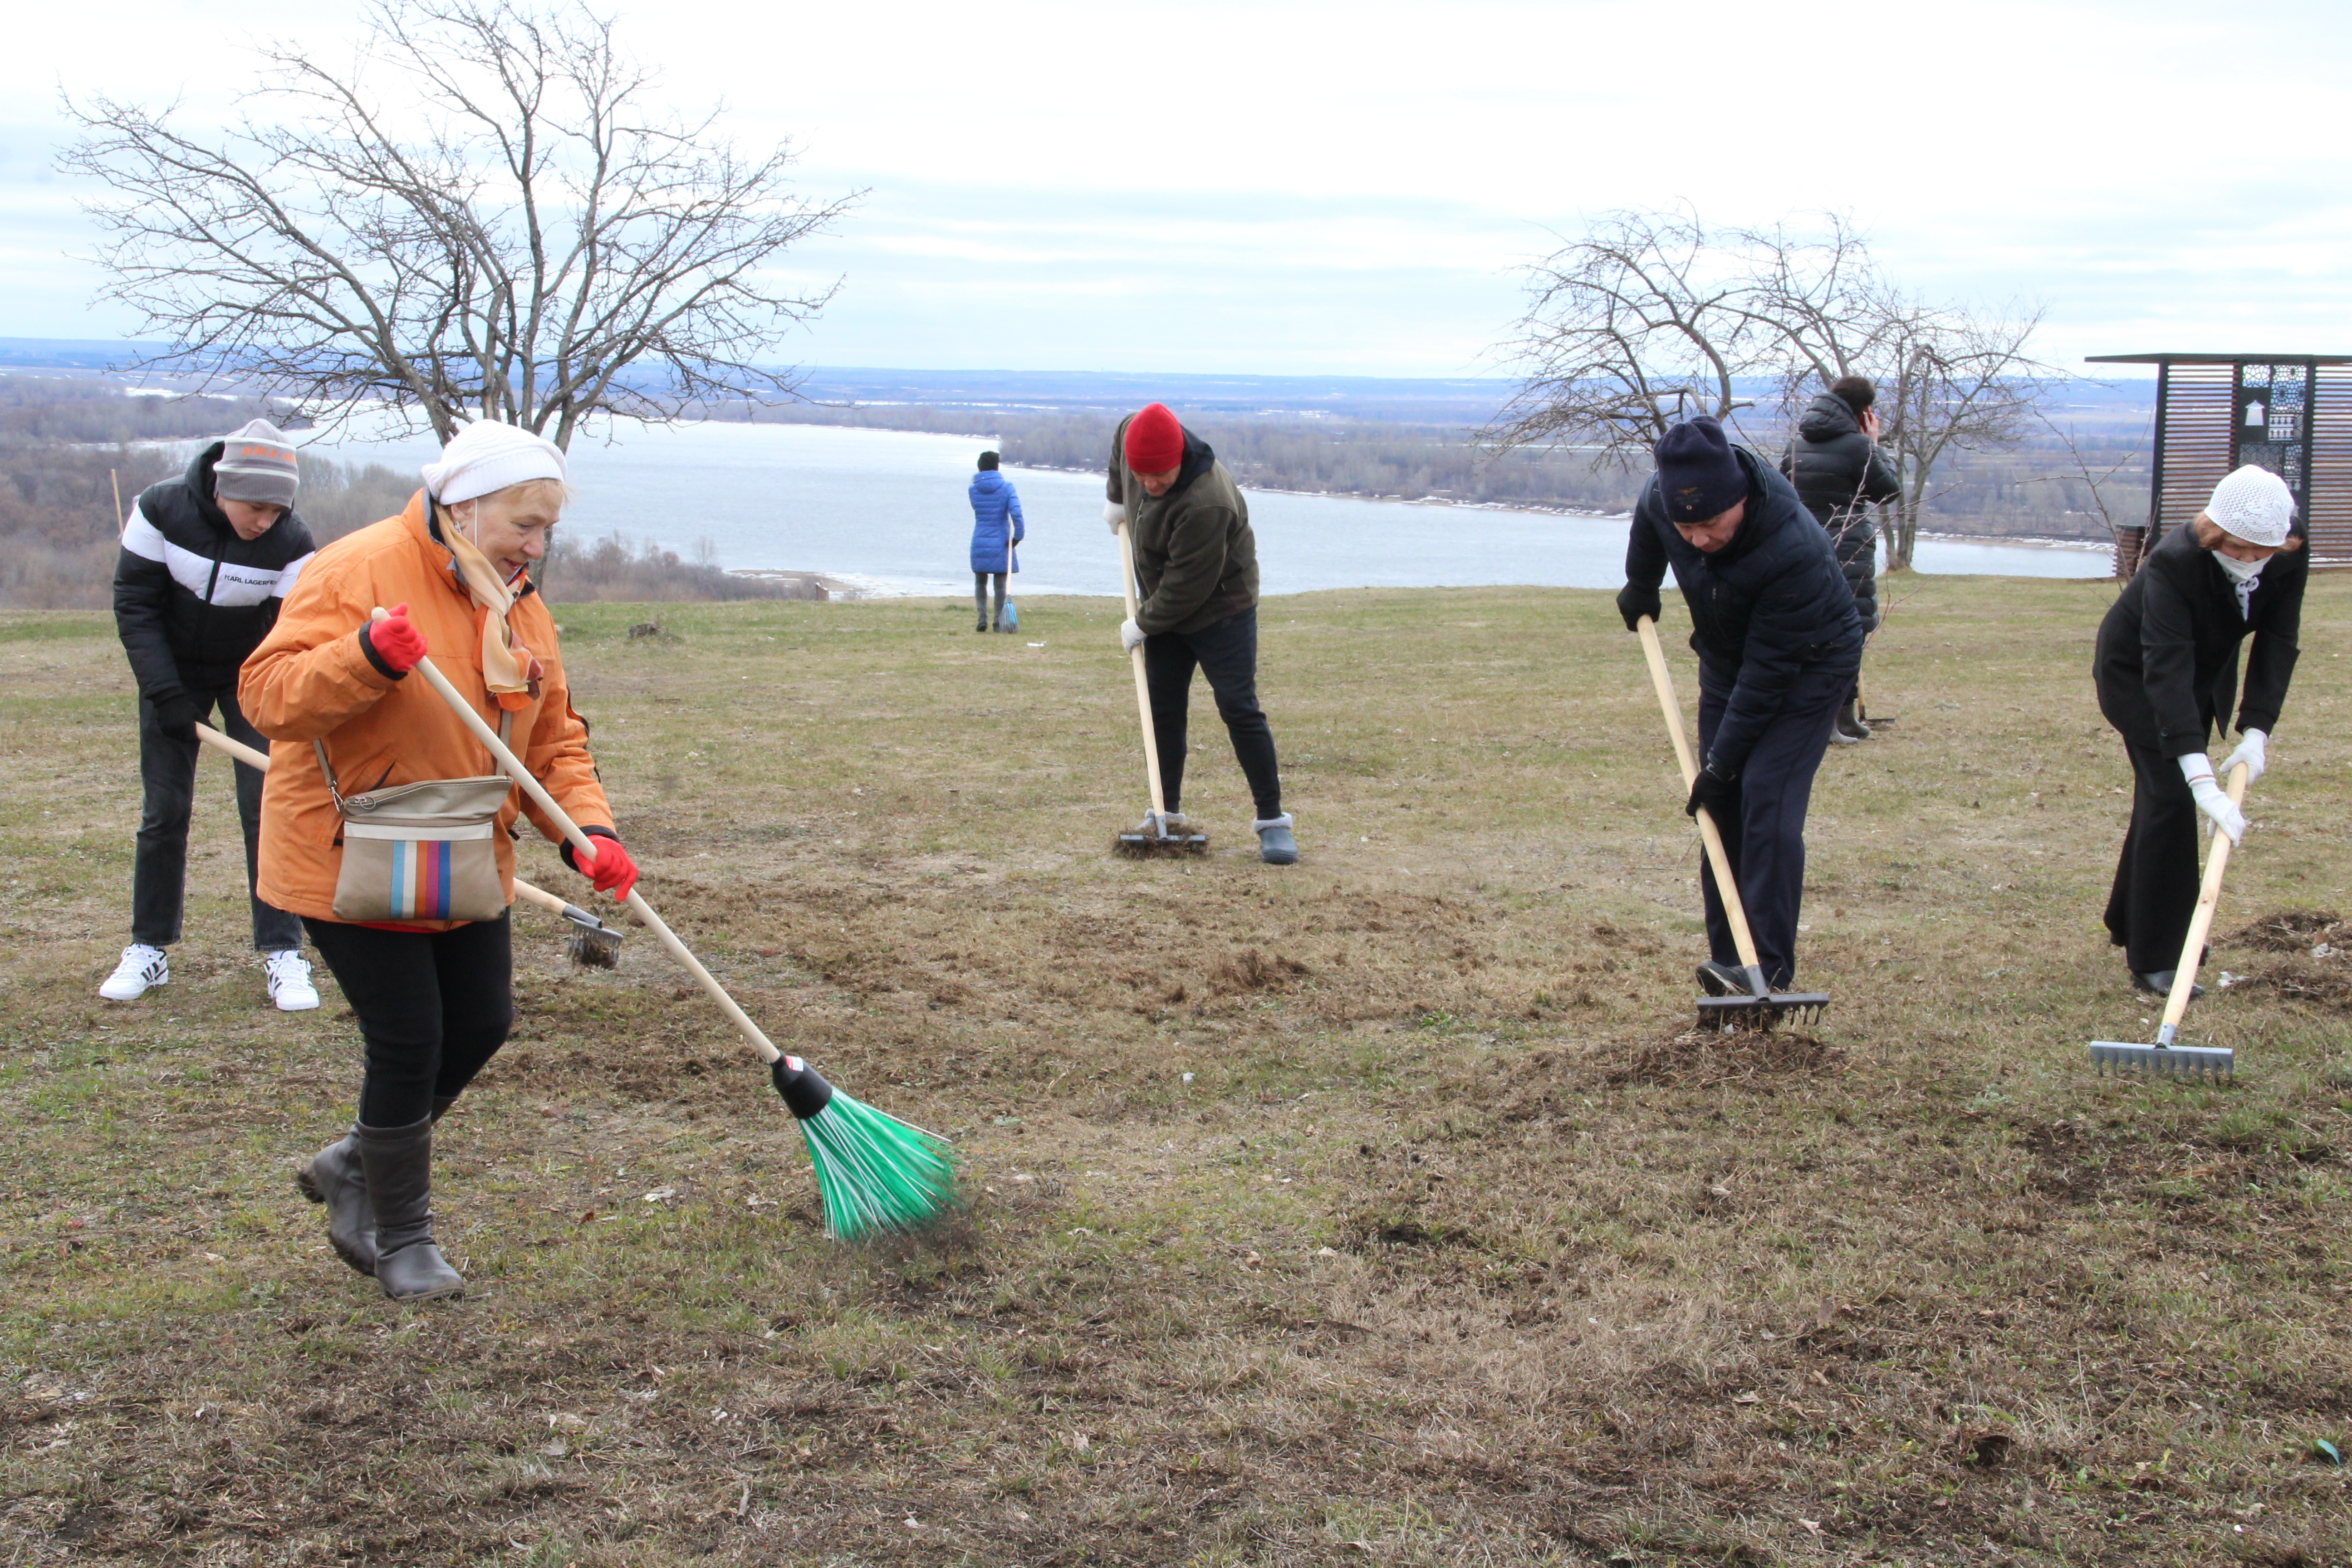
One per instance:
(206, 560)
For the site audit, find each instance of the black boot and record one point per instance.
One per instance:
(399, 1162)
(1849, 722)
(2159, 982)
(333, 1176)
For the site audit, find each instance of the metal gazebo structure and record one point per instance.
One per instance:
(2290, 414)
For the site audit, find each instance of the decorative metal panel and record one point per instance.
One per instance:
(2329, 516)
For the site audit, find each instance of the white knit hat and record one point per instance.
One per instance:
(2254, 504)
(488, 456)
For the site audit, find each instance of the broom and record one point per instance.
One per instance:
(1154, 838)
(2164, 1057)
(593, 944)
(874, 1172)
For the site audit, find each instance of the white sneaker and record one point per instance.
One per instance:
(141, 967)
(289, 982)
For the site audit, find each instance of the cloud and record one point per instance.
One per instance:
(1303, 185)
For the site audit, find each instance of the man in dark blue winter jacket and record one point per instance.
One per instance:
(996, 528)
(206, 560)
(1778, 640)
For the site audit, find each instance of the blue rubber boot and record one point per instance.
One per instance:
(1276, 846)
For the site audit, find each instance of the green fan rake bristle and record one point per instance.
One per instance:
(874, 1173)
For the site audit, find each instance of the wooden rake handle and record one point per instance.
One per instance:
(529, 893)
(584, 848)
(1717, 860)
(2200, 924)
(1142, 687)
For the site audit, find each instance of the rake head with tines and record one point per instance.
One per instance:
(1759, 1007)
(1161, 833)
(1726, 1013)
(593, 944)
(2164, 1058)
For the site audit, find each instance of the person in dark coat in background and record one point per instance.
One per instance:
(2168, 671)
(206, 558)
(1196, 581)
(1778, 640)
(996, 528)
(1840, 474)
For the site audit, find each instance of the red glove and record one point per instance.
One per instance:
(613, 872)
(395, 640)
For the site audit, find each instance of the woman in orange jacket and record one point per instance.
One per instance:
(433, 997)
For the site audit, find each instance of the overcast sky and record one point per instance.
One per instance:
(1279, 187)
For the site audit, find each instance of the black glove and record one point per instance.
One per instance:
(1713, 790)
(1633, 602)
(176, 715)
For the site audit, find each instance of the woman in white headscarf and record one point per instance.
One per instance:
(2166, 673)
(430, 976)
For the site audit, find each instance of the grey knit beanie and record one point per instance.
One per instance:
(256, 464)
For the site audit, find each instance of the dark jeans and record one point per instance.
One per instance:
(159, 875)
(980, 595)
(1227, 654)
(433, 1009)
(2158, 877)
(1764, 831)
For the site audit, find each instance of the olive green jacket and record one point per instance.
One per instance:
(1195, 557)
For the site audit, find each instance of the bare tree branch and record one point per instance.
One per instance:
(481, 217)
(1635, 326)
(1653, 316)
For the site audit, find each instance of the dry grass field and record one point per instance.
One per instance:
(1377, 1210)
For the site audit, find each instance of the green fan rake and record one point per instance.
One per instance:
(874, 1173)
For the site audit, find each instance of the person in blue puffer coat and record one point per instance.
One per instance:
(995, 509)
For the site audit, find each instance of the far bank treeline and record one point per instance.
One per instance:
(2040, 488)
(67, 446)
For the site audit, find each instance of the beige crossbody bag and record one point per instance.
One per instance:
(424, 851)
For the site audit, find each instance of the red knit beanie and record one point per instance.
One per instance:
(1155, 442)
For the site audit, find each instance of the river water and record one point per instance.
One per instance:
(885, 509)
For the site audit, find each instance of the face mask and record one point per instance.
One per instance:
(2240, 570)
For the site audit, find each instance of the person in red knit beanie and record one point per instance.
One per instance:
(1196, 582)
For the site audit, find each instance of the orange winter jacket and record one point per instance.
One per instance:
(311, 679)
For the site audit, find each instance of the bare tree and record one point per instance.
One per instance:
(1951, 377)
(482, 215)
(1644, 321)
(1951, 380)
(1654, 316)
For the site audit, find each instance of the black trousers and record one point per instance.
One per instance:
(980, 595)
(1764, 830)
(2158, 877)
(1227, 654)
(159, 873)
(433, 1009)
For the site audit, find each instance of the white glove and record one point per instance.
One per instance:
(2249, 752)
(1115, 515)
(1129, 634)
(2198, 769)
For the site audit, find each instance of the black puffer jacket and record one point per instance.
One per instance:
(1840, 474)
(1195, 557)
(2168, 655)
(1762, 608)
(191, 598)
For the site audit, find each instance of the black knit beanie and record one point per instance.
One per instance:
(1698, 476)
(988, 459)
